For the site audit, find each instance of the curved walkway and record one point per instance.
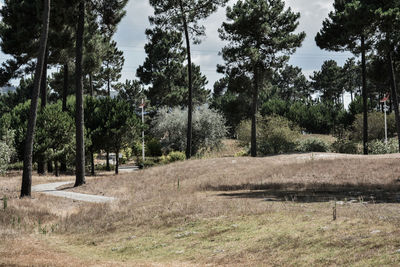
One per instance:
(51, 189)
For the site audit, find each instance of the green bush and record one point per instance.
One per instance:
(148, 163)
(312, 145)
(5, 155)
(275, 135)
(170, 126)
(173, 157)
(16, 166)
(344, 146)
(6, 149)
(376, 126)
(242, 153)
(176, 156)
(153, 148)
(378, 147)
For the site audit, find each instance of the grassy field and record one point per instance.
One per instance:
(273, 211)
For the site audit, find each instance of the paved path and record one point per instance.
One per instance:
(51, 189)
(128, 168)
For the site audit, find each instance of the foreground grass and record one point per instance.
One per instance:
(232, 211)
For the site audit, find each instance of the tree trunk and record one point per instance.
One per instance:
(40, 165)
(254, 115)
(365, 96)
(92, 162)
(50, 166)
(190, 91)
(43, 84)
(117, 161)
(79, 120)
(63, 167)
(43, 103)
(394, 94)
(65, 87)
(108, 161)
(27, 170)
(56, 167)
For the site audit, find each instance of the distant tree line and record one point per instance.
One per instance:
(76, 38)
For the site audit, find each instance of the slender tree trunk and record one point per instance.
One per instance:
(57, 169)
(254, 114)
(65, 87)
(79, 120)
(365, 96)
(43, 103)
(50, 166)
(40, 165)
(63, 167)
(43, 84)
(27, 170)
(190, 89)
(117, 161)
(394, 94)
(108, 161)
(92, 162)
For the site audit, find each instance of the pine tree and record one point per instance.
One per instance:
(351, 77)
(329, 82)
(261, 37)
(388, 21)
(79, 119)
(184, 16)
(165, 72)
(113, 62)
(292, 85)
(348, 28)
(27, 171)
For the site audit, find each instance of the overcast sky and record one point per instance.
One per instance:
(309, 57)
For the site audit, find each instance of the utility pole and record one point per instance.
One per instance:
(385, 108)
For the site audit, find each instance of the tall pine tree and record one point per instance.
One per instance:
(185, 16)
(348, 28)
(260, 36)
(27, 170)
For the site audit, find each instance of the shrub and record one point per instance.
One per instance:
(16, 166)
(275, 135)
(379, 147)
(376, 126)
(148, 163)
(5, 155)
(6, 149)
(17, 121)
(176, 156)
(170, 126)
(172, 157)
(242, 153)
(153, 148)
(312, 145)
(345, 146)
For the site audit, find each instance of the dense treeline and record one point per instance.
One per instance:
(64, 119)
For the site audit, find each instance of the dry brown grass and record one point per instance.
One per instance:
(230, 148)
(218, 215)
(329, 139)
